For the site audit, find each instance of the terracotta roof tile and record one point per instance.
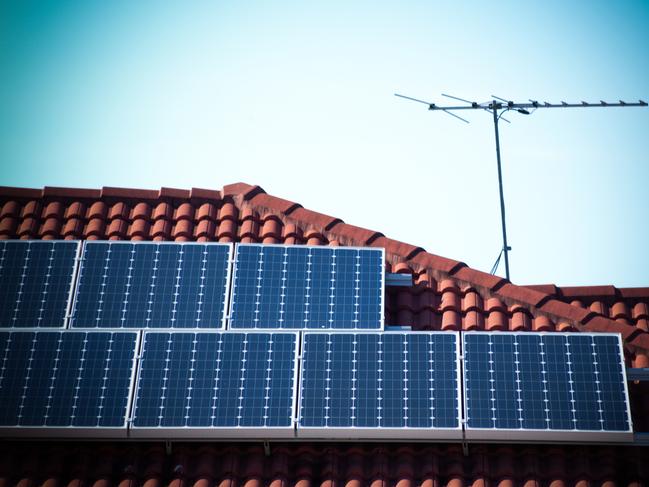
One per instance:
(234, 213)
(273, 203)
(204, 194)
(11, 192)
(243, 190)
(174, 193)
(126, 193)
(448, 295)
(53, 192)
(314, 219)
(479, 279)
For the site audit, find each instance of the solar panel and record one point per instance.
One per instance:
(545, 386)
(152, 285)
(218, 385)
(35, 282)
(380, 385)
(305, 287)
(66, 383)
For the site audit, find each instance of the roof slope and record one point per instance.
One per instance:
(447, 295)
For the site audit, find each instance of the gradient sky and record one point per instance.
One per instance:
(298, 98)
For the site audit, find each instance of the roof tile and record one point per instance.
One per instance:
(174, 193)
(205, 194)
(273, 203)
(213, 215)
(396, 248)
(133, 194)
(522, 295)
(353, 235)
(315, 219)
(243, 190)
(27, 193)
(10, 209)
(436, 263)
(478, 278)
(558, 308)
(8, 226)
(55, 192)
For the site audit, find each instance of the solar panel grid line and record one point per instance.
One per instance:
(350, 383)
(237, 385)
(300, 287)
(157, 285)
(557, 382)
(36, 280)
(66, 383)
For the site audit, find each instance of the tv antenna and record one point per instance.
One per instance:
(498, 107)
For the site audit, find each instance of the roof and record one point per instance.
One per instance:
(447, 295)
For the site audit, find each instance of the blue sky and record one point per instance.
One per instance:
(298, 98)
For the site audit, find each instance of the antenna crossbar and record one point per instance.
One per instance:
(534, 104)
(497, 107)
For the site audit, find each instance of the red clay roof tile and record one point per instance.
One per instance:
(464, 299)
(132, 194)
(53, 192)
(174, 193)
(315, 219)
(426, 260)
(273, 203)
(243, 190)
(29, 193)
(301, 225)
(204, 194)
(480, 279)
(353, 235)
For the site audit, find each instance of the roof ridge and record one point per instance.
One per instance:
(530, 296)
(600, 291)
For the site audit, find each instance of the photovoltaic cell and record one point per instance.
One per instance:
(152, 285)
(36, 282)
(216, 384)
(545, 385)
(303, 287)
(388, 385)
(67, 381)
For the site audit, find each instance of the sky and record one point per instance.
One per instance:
(298, 97)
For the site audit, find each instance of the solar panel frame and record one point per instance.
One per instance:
(71, 286)
(79, 432)
(546, 435)
(383, 433)
(226, 292)
(317, 248)
(215, 432)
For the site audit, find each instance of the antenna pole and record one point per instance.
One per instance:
(498, 106)
(506, 248)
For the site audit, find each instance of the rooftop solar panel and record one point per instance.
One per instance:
(305, 287)
(36, 282)
(152, 285)
(545, 386)
(380, 385)
(216, 385)
(66, 383)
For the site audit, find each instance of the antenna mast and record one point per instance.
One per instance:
(498, 106)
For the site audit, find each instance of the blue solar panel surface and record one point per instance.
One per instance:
(36, 282)
(222, 380)
(379, 380)
(301, 287)
(152, 285)
(535, 381)
(66, 378)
